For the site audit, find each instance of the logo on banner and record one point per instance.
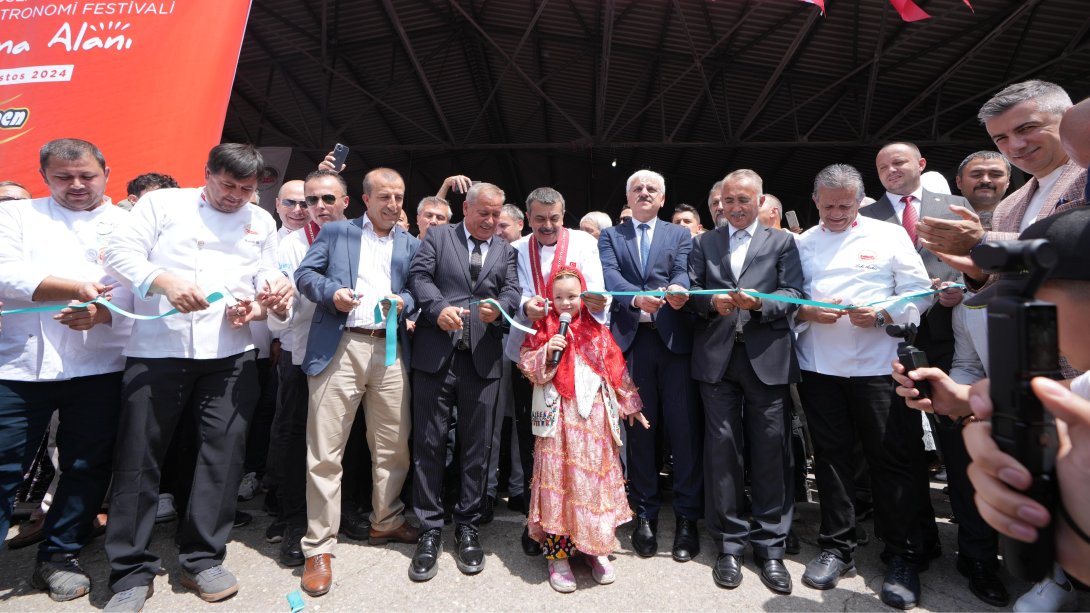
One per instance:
(13, 119)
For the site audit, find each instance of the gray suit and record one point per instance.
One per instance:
(744, 362)
(445, 377)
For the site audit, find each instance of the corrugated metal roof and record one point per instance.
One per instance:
(484, 94)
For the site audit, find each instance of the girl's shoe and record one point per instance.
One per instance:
(561, 577)
(602, 569)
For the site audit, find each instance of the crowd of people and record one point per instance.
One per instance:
(187, 350)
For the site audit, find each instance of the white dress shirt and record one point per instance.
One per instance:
(871, 260)
(1040, 197)
(294, 330)
(739, 246)
(899, 205)
(40, 238)
(582, 251)
(177, 231)
(373, 277)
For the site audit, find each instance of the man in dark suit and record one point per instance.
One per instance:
(351, 267)
(744, 356)
(650, 254)
(456, 361)
(905, 202)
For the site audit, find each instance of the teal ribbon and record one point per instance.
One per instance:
(213, 297)
(510, 320)
(391, 330)
(779, 297)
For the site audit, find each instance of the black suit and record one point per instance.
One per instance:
(445, 377)
(744, 362)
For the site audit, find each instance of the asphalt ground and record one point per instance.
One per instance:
(370, 578)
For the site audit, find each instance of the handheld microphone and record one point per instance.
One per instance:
(565, 320)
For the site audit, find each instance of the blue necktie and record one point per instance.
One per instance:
(645, 246)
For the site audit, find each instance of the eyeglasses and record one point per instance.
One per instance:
(291, 204)
(326, 198)
(8, 198)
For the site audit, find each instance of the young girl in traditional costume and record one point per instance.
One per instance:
(578, 498)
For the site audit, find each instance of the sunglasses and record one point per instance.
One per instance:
(291, 204)
(326, 198)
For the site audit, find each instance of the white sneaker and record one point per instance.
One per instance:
(1047, 595)
(165, 511)
(602, 569)
(249, 487)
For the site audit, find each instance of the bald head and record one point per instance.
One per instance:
(1075, 133)
(770, 211)
(290, 205)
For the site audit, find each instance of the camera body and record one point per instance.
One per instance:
(1023, 343)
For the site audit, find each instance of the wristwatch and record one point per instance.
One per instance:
(880, 320)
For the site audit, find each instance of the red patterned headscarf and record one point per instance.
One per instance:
(586, 336)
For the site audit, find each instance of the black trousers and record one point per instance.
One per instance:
(288, 445)
(523, 392)
(259, 437)
(669, 401)
(218, 396)
(976, 539)
(742, 408)
(841, 411)
(434, 397)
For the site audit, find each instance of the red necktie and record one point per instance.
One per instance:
(908, 219)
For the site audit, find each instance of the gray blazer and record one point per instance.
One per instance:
(771, 266)
(439, 277)
(332, 263)
(931, 205)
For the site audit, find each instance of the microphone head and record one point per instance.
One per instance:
(565, 318)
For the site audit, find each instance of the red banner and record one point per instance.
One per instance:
(148, 82)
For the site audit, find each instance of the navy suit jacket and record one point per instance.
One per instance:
(771, 266)
(332, 263)
(667, 264)
(439, 277)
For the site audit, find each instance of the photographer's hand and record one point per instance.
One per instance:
(948, 397)
(998, 478)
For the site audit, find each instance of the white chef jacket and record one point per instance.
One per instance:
(294, 330)
(177, 231)
(871, 260)
(40, 238)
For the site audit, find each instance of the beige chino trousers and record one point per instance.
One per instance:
(356, 372)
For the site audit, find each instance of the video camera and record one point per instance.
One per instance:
(1023, 344)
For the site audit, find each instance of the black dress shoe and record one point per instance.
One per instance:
(529, 546)
(519, 503)
(469, 554)
(793, 546)
(242, 518)
(984, 581)
(644, 542)
(356, 526)
(488, 510)
(775, 576)
(291, 548)
(686, 540)
(901, 588)
(824, 571)
(425, 562)
(727, 571)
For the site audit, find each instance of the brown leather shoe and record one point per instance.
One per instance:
(29, 534)
(317, 575)
(405, 533)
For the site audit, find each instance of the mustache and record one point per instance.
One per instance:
(984, 186)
